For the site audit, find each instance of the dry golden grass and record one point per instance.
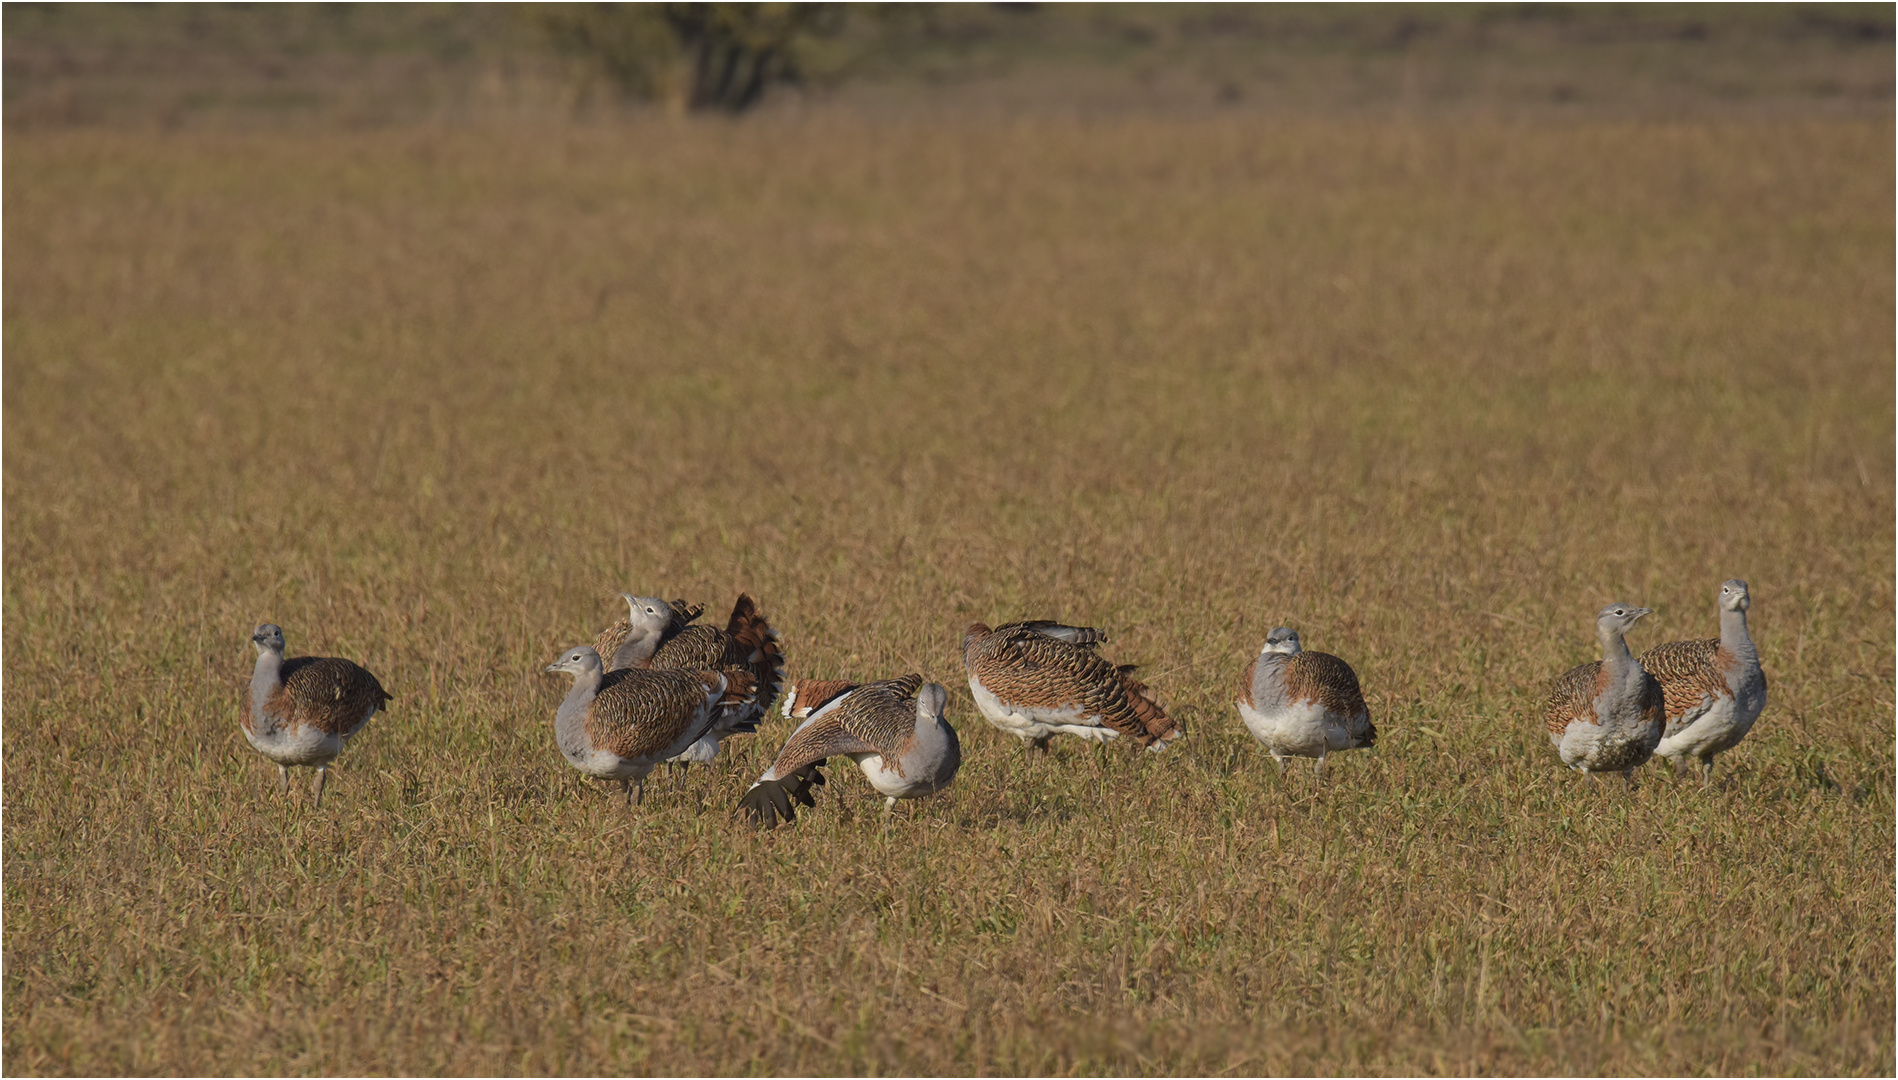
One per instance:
(1431, 391)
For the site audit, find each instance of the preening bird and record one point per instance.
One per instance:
(1714, 687)
(1039, 679)
(303, 711)
(1303, 704)
(894, 730)
(618, 726)
(1607, 715)
(663, 636)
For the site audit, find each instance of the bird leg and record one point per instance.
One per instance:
(641, 801)
(1628, 775)
(889, 805)
(1319, 773)
(1283, 765)
(1030, 748)
(626, 789)
(283, 778)
(322, 771)
(1706, 772)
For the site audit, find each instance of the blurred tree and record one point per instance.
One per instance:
(692, 56)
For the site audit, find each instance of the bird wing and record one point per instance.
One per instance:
(638, 713)
(1324, 679)
(609, 641)
(1690, 677)
(1025, 667)
(333, 695)
(1572, 696)
(1245, 687)
(874, 718)
(747, 643)
(807, 696)
(693, 648)
(684, 613)
(1073, 635)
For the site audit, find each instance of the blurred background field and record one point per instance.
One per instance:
(1425, 330)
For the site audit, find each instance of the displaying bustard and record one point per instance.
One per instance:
(618, 726)
(894, 730)
(1036, 680)
(664, 636)
(1607, 714)
(1714, 687)
(303, 711)
(1303, 704)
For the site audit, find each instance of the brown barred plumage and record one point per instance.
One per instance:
(327, 693)
(1690, 671)
(1323, 679)
(1025, 664)
(611, 638)
(806, 696)
(894, 730)
(638, 713)
(747, 642)
(877, 717)
(1572, 696)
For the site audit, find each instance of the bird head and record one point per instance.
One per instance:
(1282, 640)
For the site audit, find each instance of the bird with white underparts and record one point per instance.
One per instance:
(1607, 715)
(1038, 679)
(303, 711)
(894, 730)
(618, 725)
(1303, 704)
(1715, 687)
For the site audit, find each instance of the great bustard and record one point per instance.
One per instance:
(618, 726)
(303, 711)
(1039, 679)
(1715, 688)
(894, 730)
(1606, 715)
(663, 636)
(1303, 704)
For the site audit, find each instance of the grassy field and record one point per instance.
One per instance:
(1431, 390)
(368, 65)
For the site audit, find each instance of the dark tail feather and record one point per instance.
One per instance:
(749, 628)
(1160, 727)
(771, 802)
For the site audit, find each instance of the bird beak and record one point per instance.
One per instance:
(1642, 613)
(551, 668)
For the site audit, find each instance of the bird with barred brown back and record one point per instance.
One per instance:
(1038, 679)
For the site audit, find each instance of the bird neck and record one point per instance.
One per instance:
(930, 741)
(1735, 639)
(570, 723)
(1268, 679)
(1614, 651)
(637, 649)
(265, 680)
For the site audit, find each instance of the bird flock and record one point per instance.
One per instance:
(660, 686)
